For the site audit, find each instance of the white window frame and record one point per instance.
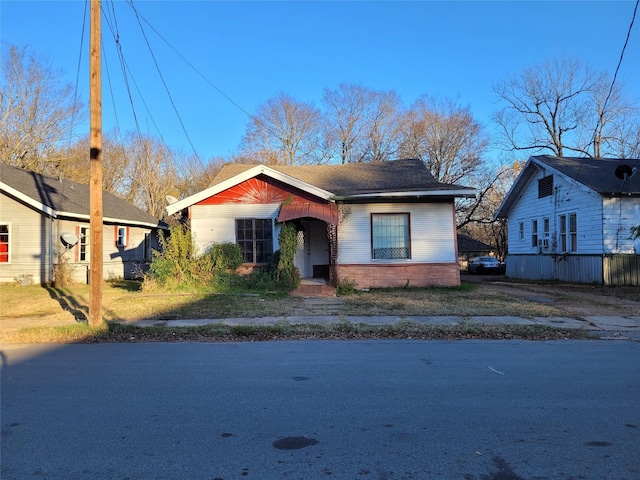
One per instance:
(534, 233)
(568, 232)
(521, 230)
(83, 244)
(122, 239)
(391, 236)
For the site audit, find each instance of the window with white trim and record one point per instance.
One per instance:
(568, 226)
(534, 233)
(521, 230)
(255, 237)
(390, 236)
(5, 243)
(83, 244)
(122, 236)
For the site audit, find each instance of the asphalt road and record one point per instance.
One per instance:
(469, 410)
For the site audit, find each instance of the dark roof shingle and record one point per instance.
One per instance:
(66, 196)
(408, 175)
(599, 174)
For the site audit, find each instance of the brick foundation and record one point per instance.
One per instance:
(395, 275)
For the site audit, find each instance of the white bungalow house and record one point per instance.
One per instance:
(44, 221)
(386, 224)
(570, 219)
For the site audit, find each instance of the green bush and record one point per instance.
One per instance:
(225, 256)
(345, 287)
(177, 265)
(286, 273)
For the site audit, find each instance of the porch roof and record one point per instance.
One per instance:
(323, 211)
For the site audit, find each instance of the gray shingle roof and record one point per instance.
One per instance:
(468, 244)
(65, 196)
(597, 173)
(409, 175)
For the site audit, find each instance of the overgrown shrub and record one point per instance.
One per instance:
(62, 271)
(345, 287)
(177, 265)
(225, 256)
(286, 273)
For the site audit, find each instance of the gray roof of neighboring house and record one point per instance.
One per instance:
(71, 198)
(598, 174)
(409, 175)
(468, 244)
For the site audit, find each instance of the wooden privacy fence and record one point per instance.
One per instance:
(621, 269)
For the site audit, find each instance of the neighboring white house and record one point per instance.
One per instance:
(386, 224)
(570, 219)
(45, 221)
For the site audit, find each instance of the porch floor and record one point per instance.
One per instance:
(314, 287)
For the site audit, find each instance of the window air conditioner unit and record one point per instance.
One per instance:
(545, 243)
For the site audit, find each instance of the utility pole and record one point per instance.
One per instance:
(95, 182)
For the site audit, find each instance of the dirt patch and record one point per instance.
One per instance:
(575, 300)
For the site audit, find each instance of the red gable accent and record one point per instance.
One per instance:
(257, 190)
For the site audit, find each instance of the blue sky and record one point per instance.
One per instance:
(251, 51)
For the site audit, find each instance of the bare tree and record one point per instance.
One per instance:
(383, 127)
(476, 217)
(346, 119)
(37, 111)
(445, 136)
(562, 107)
(154, 174)
(284, 131)
(196, 176)
(73, 163)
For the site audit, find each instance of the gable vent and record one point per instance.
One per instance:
(545, 186)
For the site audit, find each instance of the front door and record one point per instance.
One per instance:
(312, 249)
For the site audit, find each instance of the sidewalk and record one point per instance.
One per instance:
(605, 327)
(592, 323)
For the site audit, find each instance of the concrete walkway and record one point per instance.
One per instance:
(592, 323)
(609, 327)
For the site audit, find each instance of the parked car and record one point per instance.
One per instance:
(485, 265)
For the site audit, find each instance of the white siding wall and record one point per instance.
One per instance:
(432, 232)
(216, 223)
(566, 199)
(620, 214)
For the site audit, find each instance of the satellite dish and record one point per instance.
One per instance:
(68, 239)
(623, 172)
(171, 199)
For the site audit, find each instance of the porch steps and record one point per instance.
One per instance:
(314, 288)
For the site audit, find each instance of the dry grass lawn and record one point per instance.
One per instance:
(123, 301)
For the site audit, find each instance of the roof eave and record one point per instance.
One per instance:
(465, 193)
(28, 200)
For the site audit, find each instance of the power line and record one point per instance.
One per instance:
(116, 36)
(235, 104)
(615, 75)
(130, 2)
